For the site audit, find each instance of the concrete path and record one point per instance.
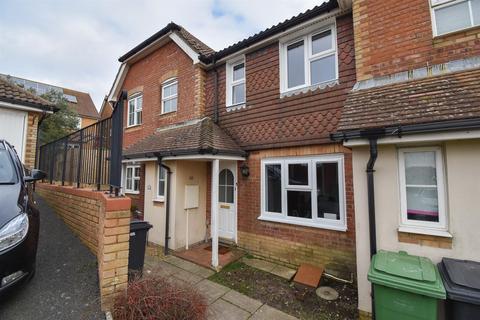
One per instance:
(65, 285)
(224, 303)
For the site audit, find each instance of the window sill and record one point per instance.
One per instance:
(321, 86)
(131, 192)
(159, 199)
(303, 223)
(454, 33)
(425, 231)
(133, 127)
(168, 113)
(234, 107)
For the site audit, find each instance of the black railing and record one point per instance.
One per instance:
(87, 157)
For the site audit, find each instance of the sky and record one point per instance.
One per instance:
(76, 44)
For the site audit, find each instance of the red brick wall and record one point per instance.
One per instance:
(147, 75)
(335, 249)
(393, 36)
(271, 121)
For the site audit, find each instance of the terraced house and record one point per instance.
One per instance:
(412, 122)
(234, 146)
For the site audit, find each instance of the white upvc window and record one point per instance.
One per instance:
(309, 60)
(132, 179)
(235, 73)
(161, 183)
(454, 15)
(307, 191)
(422, 189)
(135, 106)
(169, 95)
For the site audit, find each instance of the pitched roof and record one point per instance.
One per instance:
(84, 105)
(195, 137)
(453, 96)
(200, 47)
(10, 92)
(272, 31)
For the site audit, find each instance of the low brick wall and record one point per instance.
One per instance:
(103, 224)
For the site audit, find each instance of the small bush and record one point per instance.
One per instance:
(152, 298)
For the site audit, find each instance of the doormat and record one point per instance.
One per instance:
(221, 249)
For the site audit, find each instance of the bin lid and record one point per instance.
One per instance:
(461, 279)
(406, 272)
(136, 225)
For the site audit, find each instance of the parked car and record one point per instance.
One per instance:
(19, 219)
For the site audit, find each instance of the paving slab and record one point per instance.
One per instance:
(188, 277)
(162, 269)
(211, 290)
(283, 272)
(308, 275)
(268, 313)
(260, 264)
(190, 266)
(242, 301)
(222, 310)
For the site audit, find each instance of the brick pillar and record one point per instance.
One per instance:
(113, 241)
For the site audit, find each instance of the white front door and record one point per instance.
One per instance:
(227, 201)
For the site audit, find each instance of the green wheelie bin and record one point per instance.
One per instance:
(406, 287)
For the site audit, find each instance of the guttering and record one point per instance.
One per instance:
(167, 203)
(399, 130)
(26, 106)
(185, 152)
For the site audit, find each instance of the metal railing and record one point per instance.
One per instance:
(87, 157)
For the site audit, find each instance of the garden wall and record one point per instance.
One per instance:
(103, 224)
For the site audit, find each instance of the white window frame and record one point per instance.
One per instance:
(230, 83)
(438, 4)
(315, 221)
(136, 110)
(159, 197)
(166, 84)
(134, 178)
(428, 227)
(308, 56)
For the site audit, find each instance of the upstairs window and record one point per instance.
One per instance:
(169, 96)
(309, 60)
(135, 105)
(422, 188)
(454, 15)
(235, 94)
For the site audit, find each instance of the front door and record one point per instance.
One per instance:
(227, 200)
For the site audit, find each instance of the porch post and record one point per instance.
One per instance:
(214, 212)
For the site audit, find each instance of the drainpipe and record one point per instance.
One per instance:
(215, 89)
(37, 147)
(167, 203)
(371, 207)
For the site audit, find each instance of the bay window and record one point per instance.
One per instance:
(305, 191)
(135, 106)
(309, 60)
(422, 188)
(454, 15)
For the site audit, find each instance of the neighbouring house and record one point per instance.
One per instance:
(106, 109)
(81, 102)
(21, 112)
(413, 124)
(240, 137)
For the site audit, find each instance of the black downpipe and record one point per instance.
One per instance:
(371, 206)
(167, 204)
(215, 93)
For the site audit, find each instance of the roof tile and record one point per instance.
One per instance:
(10, 92)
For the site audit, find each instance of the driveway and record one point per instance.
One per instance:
(65, 285)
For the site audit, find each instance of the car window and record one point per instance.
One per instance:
(7, 170)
